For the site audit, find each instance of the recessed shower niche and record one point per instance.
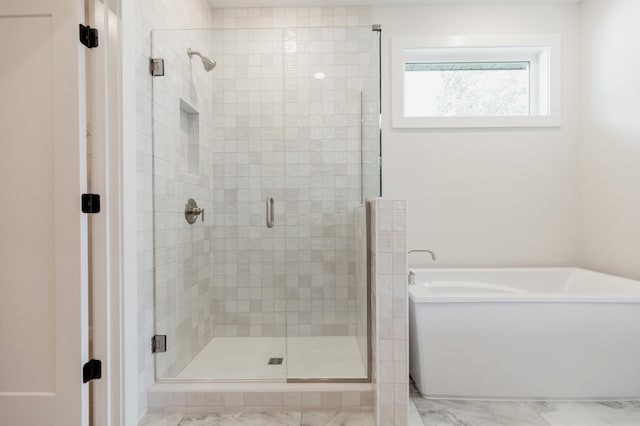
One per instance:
(189, 139)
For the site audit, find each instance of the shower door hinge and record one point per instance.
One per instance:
(156, 67)
(92, 370)
(88, 36)
(159, 343)
(90, 203)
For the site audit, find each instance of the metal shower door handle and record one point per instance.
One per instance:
(270, 221)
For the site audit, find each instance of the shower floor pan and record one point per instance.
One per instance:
(247, 358)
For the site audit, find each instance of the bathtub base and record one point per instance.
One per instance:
(574, 351)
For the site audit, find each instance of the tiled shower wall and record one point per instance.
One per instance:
(152, 14)
(279, 132)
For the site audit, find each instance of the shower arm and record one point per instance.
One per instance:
(191, 53)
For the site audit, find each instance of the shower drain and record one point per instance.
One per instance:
(275, 361)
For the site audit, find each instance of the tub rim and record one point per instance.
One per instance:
(520, 297)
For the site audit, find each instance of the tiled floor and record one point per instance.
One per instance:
(241, 358)
(522, 413)
(423, 412)
(315, 418)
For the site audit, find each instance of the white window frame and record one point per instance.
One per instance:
(543, 51)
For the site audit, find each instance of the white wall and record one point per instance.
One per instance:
(610, 137)
(486, 197)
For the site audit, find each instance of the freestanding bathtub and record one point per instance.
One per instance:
(535, 333)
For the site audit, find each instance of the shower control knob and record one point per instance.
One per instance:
(197, 211)
(192, 211)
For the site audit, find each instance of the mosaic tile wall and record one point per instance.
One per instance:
(390, 311)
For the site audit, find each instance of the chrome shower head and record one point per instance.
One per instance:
(207, 63)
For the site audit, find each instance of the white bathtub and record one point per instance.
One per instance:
(535, 333)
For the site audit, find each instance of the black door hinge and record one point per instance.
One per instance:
(88, 36)
(92, 370)
(90, 203)
(159, 343)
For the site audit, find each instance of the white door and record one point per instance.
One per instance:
(43, 244)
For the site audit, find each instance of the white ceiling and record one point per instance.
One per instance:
(293, 3)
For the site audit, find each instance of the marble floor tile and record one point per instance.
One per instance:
(613, 413)
(477, 413)
(333, 418)
(161, 419)
(414, 416)
(317, 418)
(312, 418)
(352, 419)
(243, 419)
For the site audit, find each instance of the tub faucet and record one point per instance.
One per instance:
(412, 275)
(423, 250)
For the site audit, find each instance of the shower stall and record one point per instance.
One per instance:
(266, 142)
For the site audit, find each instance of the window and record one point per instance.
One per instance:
(467, 89)
(476, 82)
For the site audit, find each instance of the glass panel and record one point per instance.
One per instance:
(369, 69)
(218, 139)
(249, 296)
(182, 112)
(330, 105)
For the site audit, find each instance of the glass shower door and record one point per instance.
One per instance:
(218, 140)
(331, 132)
(249, 292)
